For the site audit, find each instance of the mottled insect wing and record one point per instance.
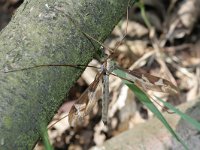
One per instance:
(84, 104)
(77, 112)
(150, 82)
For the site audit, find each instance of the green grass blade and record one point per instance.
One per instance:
(147, 102)
(45, 138)
(184, 116)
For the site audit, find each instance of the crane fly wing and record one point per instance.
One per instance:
(150, 82)
(84, 104)
(92, 93)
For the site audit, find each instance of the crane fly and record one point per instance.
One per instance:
(85, 103)
(87, 100)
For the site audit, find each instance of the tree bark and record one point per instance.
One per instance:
(42, 32)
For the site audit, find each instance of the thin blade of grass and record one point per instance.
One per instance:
(147, 102)
(45, 138)
(184, 116)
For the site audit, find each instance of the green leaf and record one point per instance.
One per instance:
(184, 116)
(148, 103)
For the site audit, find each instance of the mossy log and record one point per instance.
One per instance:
(42, 32)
